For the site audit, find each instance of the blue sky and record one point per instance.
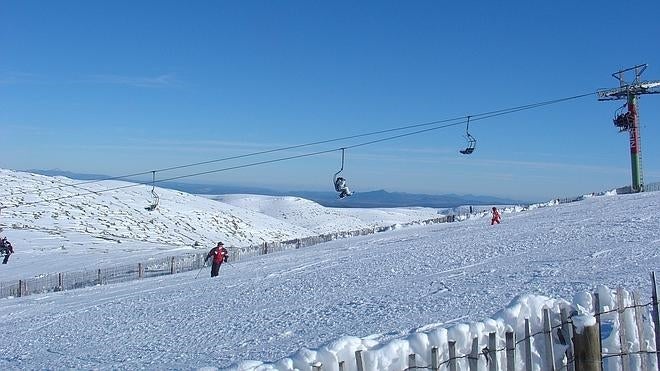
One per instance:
(117, 87)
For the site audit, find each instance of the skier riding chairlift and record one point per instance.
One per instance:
(340, 182)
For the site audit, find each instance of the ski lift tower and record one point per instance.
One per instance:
(629, 121)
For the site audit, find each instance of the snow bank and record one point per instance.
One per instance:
(393, 355)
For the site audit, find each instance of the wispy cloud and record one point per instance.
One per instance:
(11, 78)
(135, 81)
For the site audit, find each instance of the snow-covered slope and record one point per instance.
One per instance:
(312, 216)
(377, 288)
(111, 227)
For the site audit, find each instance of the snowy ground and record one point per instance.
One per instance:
(111, 228)
(379, 287)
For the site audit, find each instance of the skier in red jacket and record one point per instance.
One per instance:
(220, 255)
(496, 216)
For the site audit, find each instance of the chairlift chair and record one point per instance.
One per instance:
(155, 198)
(472, 142)
(623, 120)
(340, 182)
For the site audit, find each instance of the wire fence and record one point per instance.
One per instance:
(156, 267)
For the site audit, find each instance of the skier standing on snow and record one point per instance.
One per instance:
(6, 249)
(220, 255)
(496, 216)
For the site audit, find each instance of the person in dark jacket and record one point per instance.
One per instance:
(6, 249)
(219, 255)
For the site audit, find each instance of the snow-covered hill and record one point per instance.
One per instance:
(319, 219)
(102, 227)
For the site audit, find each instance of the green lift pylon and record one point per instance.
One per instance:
(629, 121)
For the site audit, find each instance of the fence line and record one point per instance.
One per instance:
(176, 264)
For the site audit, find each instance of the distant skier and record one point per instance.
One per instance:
(496, 216)
(220, 255)
(6, 249)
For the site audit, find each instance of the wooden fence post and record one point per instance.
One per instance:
(528, 345)
(172, 266)
(597, 314)
(452, 355)
(549, 349)
(412, 362)
(435, 360)
(491, 359)
(640, 329)
(474, 355)
(510, 351)
(623, 336)
(140, 271)
(358, 360)
(60, 282)
(98, 276)
(567, 333)
(19, 293)
(656, 318)
(317, 366)
(341, 365)
(587, 349)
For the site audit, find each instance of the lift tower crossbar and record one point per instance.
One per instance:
(629, 121)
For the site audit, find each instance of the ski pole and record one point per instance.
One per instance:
(200, 270)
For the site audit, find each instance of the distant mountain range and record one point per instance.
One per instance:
(379, 198)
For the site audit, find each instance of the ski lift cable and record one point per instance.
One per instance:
(483, 115)
(498, 113)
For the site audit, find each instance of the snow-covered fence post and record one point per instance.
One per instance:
(473, 358)
(341, 365)
(452, 355)
(623, 336)
(412, 362)
(265, 249)
(656, 317)
(140, 271)
(587, 348)
(510, 351)
(528, 345)
(567, 334)
(640, 329)
(317, 366)
(492, 352)
(547, 334)
(358, 360)
(434, 359)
